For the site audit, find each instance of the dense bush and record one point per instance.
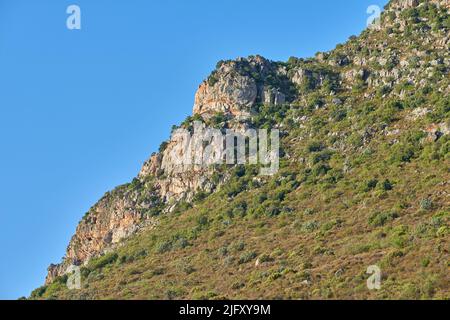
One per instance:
(426, 204)
(164, 246)
(103, 261)
(247, 257)
(379, 219)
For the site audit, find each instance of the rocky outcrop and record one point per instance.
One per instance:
(299, 76)
(436, 131)
(272, 96)
(235, 87)
(407, 4)
(235, 90)
(232, 94)
(115, 217)
(178, 171)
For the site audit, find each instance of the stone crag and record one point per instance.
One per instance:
(377, 62)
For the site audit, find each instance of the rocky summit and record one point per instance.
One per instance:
(363, 180)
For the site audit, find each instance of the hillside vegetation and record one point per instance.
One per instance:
(364, 180)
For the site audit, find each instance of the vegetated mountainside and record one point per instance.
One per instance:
(364, 180)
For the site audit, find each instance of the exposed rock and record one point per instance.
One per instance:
(300, 75)
(236, 86)
(273, 96)
(337, 101)
(111, 220)
(231, 94)
(418, 113)
(436, 131)
(356, 74)
(235, 89)
(404, 4)
(151, 166)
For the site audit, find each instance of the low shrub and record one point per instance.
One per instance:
(381, 218)
(247, 257)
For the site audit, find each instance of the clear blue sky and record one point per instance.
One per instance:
(80, 111)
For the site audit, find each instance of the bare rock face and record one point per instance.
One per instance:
(107, 224)
(53, 271)
(300, 75)
(178, 171)
(182, 168)
(406, 4)
(151, 166)
(115, 217)
(436, 131)
(231, 94)
(236, 86)
(273, 96)
(235, 90)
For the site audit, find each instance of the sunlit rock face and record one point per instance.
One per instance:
(231, 94)
(235, 90)
(114, 218)
(406, 4)
(235, 87)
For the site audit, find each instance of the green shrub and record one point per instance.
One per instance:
(310, 226)
(426, 204)
(158, 271)
(386, 185)
(315, 146)
(202, 221)
(103, 261)
(38, 293)
(240, 209)
(183, 206)
(265, 258)
(218, 119)
(181, 243)
(273, 209)
(235, 188)
(223, 251)
(200, 196)
(212, 79)
(371, 184)
(262, 198)
(425, 262)
(247, 257)
(164, 246)
(237, 285)
(381, 218)
(402, 153)
(186, 267)
(320, 169)
(238, 246)
(163, 147)
(321, 156)
(172, 294)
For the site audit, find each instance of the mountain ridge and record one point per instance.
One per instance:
(377, 85)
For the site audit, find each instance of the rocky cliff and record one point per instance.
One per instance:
(232, 92)
(405, 53)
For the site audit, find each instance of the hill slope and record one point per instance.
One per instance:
(364, 180)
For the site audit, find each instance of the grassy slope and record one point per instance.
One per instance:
(339, 204)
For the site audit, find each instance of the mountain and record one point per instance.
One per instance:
(363, 180)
